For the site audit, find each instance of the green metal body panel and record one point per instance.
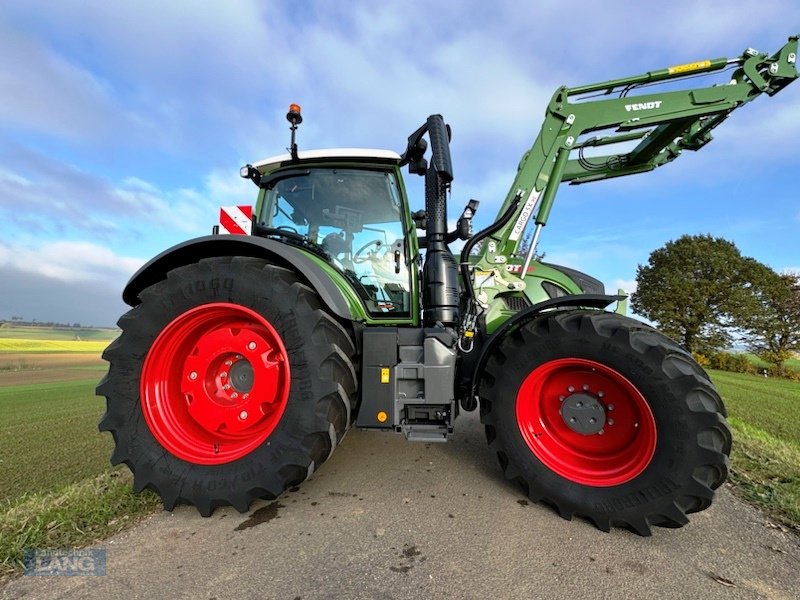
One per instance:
(357, 308)
(493, 288)
(353, 301)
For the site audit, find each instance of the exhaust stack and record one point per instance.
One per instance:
(440, 296)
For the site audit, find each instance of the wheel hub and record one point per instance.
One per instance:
(215, 383)
(586, 422)
(241, 376)
(583, 413)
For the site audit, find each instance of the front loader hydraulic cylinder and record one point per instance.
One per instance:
(552, 186)
(702, 66)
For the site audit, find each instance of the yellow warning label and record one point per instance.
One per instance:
(695, 66)
(384, 375)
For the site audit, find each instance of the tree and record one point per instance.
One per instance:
(696, 288)
(773, 328)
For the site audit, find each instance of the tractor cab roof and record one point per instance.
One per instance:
(268, 165)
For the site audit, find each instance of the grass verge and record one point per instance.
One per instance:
(765, 461)
(766, 472)
(72, 516)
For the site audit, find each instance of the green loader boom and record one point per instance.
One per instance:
(664, 121)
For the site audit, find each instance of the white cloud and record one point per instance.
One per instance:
(227, 188)
(10, 178)
(69, 261)
(629, 285)
(43, 91)
(66, 202)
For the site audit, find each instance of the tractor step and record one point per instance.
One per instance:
(426, 433)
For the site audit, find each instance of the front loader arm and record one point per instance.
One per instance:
(661, 124)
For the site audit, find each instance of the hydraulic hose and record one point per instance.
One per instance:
(484, 233)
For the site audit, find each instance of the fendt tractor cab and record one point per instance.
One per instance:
(245, 358)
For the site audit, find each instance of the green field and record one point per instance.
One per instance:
(770, 404)
(792, 363)
(15, 346)
(764, 414)
(57, 486)
(9, 331)
(49, 437)
(16, 339)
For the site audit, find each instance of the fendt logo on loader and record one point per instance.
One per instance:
(643, 105)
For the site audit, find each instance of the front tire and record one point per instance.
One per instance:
(603, 417)
(229, 382)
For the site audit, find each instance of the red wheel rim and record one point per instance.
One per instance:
(215, 383)
(618, 454)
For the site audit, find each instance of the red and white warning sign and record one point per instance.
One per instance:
(236, 220)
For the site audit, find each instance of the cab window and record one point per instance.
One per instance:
(355, 216)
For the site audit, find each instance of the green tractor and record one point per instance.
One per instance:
(245, 359)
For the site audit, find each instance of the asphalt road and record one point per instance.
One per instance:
(385, 518)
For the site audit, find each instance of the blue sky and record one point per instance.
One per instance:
(123, 124)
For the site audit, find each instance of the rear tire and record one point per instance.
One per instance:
(182, 371)
(658, 446)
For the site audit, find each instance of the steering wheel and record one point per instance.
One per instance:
(358, 256)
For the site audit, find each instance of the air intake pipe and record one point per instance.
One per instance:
(440, 297)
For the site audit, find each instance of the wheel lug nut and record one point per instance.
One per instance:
(610, 407)
(561, 398)
(243, 415)
(246, 396)
(571, 389)
(193, 375)
(223, 374)
(611, 421)
(601, 432)
(226, 387)
(600, 394)
(585, 387)
(251, 346)
(228, 363)
(234, 395)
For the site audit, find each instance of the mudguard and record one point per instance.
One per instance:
(596, 301)
(210, 246)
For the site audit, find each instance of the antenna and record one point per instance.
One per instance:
(295, 118)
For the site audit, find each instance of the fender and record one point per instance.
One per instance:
(594, 301)
(210, 246)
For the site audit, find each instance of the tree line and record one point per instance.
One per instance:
(22, 322)
(703, 293)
